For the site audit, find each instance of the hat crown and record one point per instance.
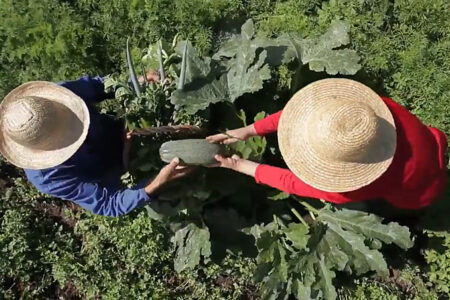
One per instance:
(30, 121)
(344, 131)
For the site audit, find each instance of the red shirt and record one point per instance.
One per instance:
(416, 177)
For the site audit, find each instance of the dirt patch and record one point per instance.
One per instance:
(56, 212)
(3, 184)
(225, 282)
(68, 292)
(404, 285)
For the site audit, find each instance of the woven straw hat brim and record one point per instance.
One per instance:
(332, 175)
(28, 158)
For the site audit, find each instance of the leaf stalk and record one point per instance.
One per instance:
(299, 217)
(308, 206)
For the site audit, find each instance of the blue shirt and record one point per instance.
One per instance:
(91, 177)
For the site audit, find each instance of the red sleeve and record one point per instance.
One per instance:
(267, 125)
(286, 181)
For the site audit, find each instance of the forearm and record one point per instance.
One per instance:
(246, 167)
(250, 130)
(285, 180)
(170, 172)
(107, 202)
(268, 124)
(152, 187)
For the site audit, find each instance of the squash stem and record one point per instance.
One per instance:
(278, 221)
(299, 217)
(308, 206)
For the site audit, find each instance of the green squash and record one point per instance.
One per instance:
(192, 151)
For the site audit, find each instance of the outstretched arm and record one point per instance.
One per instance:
(98, 199)
(102, 200)
(279, 178)
(285, 180)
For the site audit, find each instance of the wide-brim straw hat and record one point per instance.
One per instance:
(42, 125)
(337, 135)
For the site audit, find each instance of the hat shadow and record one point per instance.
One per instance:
(69, 131)
(387, 148)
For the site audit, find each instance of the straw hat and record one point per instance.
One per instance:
(41, 125)
(337, 135)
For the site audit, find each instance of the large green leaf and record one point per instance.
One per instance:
(329, 247)
(272, 265)
(196, 66)
(267, 244)
(244, 76)
(361, 258)
(300, 291)
(320, 53)
(298, 235)
(246, 61)
(369, 225)
(202, 87)
(305, 267)
(321, 56)
(191, 243)
(276, 48)
(229, 48)
(325, 283)
(198, 99)
(247, 70)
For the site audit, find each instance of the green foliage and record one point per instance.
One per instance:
(368, 291)
(370, 226)
(133, 76)
(59, 40)
(198, 69)
(302, 260)
(191, 243)
(38, 45)
(407, 283)
(246, 70)
(46, 243)
(438, 259)
(320, 56)
(254, 147)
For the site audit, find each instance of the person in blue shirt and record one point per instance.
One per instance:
(71, 151)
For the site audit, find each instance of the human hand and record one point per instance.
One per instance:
(151, 76)
(172, 171)
(227, 162)
(237, 164)
(232, 136)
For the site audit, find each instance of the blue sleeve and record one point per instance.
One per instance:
(91, 196)
(90, 89)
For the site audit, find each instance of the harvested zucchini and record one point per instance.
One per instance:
(192, 151)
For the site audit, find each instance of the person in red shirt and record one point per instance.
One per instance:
(343, 143)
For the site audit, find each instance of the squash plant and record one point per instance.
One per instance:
(299, 248)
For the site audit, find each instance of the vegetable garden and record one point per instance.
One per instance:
(217, 234)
